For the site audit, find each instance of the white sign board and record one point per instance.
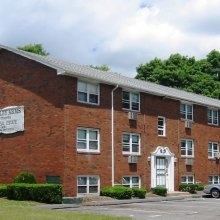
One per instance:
(11, 119)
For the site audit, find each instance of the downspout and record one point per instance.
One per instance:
(113, 141)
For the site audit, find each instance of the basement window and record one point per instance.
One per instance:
(188, 179)
(53, 179)
(131, 181)
(88, 185)
(214, 179)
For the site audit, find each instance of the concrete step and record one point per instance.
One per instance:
(178, 193)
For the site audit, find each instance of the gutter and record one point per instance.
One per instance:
(112, 136)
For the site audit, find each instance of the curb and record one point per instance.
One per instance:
(130, 201)
(120, 202)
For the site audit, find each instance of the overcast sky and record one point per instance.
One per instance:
(119, 33)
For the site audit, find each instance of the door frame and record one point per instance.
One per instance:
(165, 152)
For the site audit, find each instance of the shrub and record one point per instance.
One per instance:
(139, 192)
(48, 193)
(161, 191)
(200, 187)
(3, 190)
(25, 178)
(191, 188)
(19, 192)
(117, 192)
(183, 187)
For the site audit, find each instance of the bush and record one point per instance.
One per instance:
(161, 191)
(18, 192)
(3, 190)
(191, 188)
(47, 193)
(25, 178)
(183, 187)
(139, 192)
(200, 187)
(117, 192)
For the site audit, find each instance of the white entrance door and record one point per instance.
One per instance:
(161, 171)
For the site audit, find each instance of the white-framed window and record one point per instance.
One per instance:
(131, 181)
(161, 126)
(88, 185)
(213, 148)
(212, 115)
(88, 93)
(131, 101)
(214, 179)
(88, 140)
(186, 111)
(131, 143)
(188, 179)
(187, 147)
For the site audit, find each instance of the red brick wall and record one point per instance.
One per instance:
(52, 116)
(151, 107)
(38, 149)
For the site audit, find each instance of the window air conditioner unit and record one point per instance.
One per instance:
(132, 159)
(132, 115)
(217, 155)
(188, 124)
(189, 161)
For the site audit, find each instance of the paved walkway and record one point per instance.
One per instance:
(172, 197)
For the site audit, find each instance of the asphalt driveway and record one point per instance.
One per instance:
(201, 208)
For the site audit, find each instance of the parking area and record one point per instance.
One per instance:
(192, 208)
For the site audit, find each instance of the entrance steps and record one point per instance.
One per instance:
(178, 193)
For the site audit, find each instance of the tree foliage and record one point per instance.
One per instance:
(103, 67)
(186, 73)
(34, 48)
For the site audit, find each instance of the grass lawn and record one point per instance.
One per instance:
(23, 210)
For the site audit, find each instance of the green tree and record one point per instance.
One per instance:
(34, 48)
(186, 73)
(213, 59)
(103, 67)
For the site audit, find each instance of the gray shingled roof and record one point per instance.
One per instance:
(110, 78)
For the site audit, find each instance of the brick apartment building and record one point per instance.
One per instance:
(88, 129)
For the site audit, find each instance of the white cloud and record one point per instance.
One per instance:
(119, 33)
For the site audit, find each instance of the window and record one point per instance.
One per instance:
(214, 179)
(212, 115)
(88, 185)
(187, 148)
(87, 140)
(53, 179)
(212, 149)
(131, 143)
(161, 126)
(88, 93)
(131, 181)
(188, 179)
(131, 101)
(186, 111)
